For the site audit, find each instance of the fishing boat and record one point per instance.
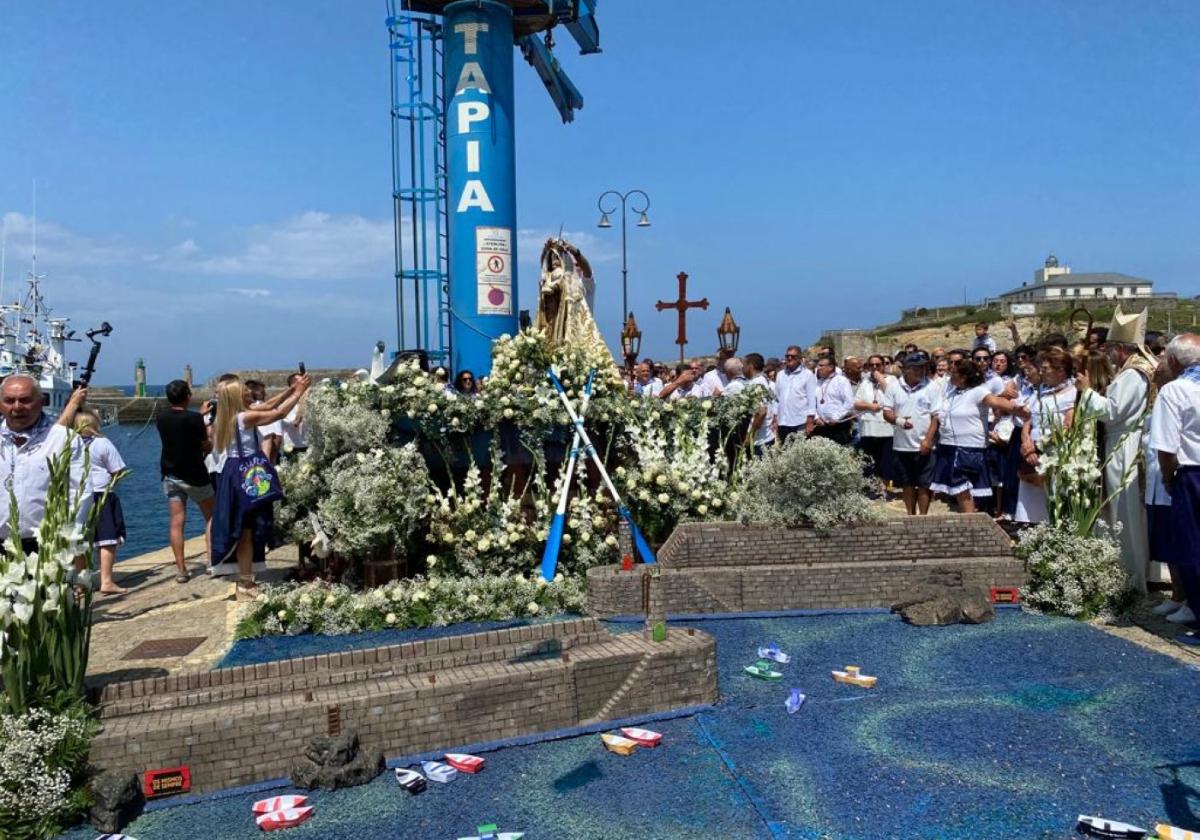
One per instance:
(278, 803)
(851, 676)
(618, 743)
(773, 653)
(435, 771)
(410, 780)
(644, 737)
(489, 832)
(794, 702)
(762, 670)
(1170, 832)
(115, 837)
(31, 342)
(1100, 827)
(464, 763)
(285, 818)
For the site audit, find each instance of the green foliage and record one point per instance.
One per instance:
(813, 483)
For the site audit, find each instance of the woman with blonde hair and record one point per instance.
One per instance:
(241, 523)
(105, 464)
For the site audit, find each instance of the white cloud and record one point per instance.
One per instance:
(251, 293)
(58, 247)
(311, 246)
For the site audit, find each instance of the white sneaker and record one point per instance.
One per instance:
(1183, 615)
(1167, 607)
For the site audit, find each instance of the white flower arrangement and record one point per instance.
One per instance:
(42, 754)
(375, 501)
(333, 609)
(1072, 574)
(673, 474)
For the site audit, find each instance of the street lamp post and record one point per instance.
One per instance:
(643, 221)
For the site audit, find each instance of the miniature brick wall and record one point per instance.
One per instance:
(727, 567)
(241, 725)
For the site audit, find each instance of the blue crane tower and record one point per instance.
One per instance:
(454, 162)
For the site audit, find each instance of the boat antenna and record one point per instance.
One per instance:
(3, 252)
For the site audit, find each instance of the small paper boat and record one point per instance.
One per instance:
(435, 771)
(851, 676)
(1100, 827)
(410, 780)
(464, 762)
(489, 832)
(1170, 832)
(618, 744)
(763, 671)
(794, 702)
(285, 818)
(278, 803)
(644, 737)
(773, 653)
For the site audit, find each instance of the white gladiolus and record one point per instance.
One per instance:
(22, 611)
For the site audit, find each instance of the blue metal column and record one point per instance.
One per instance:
(481, 168)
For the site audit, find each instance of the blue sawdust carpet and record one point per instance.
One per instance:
(1006, 730)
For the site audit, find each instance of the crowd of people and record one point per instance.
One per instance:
(972, 425)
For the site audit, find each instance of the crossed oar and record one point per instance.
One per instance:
(554, 538)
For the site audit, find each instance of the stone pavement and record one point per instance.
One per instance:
(162, 627)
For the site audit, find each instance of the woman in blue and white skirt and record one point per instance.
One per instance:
(959, 428)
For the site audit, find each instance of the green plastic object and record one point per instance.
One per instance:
(659, 632)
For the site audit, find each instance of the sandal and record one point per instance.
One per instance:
(182, 577)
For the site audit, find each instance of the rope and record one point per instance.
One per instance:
(149, 420)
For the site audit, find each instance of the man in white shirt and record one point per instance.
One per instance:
(762, 425)
(908, 404)
(1175, 435)
(644, 383)
(796, 397)
(715, 380)
(835, 404)
(685, 384)
(29, 440)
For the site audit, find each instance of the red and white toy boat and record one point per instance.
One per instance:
(644, 737)
(287, 818)
(278, 803)
(464, 762)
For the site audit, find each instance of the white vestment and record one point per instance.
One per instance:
(1121, 411)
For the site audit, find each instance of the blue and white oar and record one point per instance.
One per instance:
(643, 548)
(554, 538)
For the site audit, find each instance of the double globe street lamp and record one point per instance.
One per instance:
(621, 201)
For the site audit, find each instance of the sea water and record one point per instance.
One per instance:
(142, 499)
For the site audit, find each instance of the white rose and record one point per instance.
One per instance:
(448, 537)
(397, 594)
(597, 521)
(566, 539)
(470, 535)
(508, 413)
(620, 471)
(390, 618)
(696, 494)
(472, 599)
(434, 583)
(663, 498)
(484, 544)
(610, 541)
(661, 481)
(282, 614)
(706, 405)
(702, 509)
(330, 600)
(305, 599)
(573, 524)
(532, 608)
(431, 560)
(716, 503)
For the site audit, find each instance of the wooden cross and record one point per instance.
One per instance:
(682, 306)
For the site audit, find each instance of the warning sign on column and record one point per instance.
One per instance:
(493, 270)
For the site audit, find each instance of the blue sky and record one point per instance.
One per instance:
(214, 177)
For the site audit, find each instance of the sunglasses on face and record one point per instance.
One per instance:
(982, 358)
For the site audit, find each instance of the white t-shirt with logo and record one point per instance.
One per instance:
(916, 404)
